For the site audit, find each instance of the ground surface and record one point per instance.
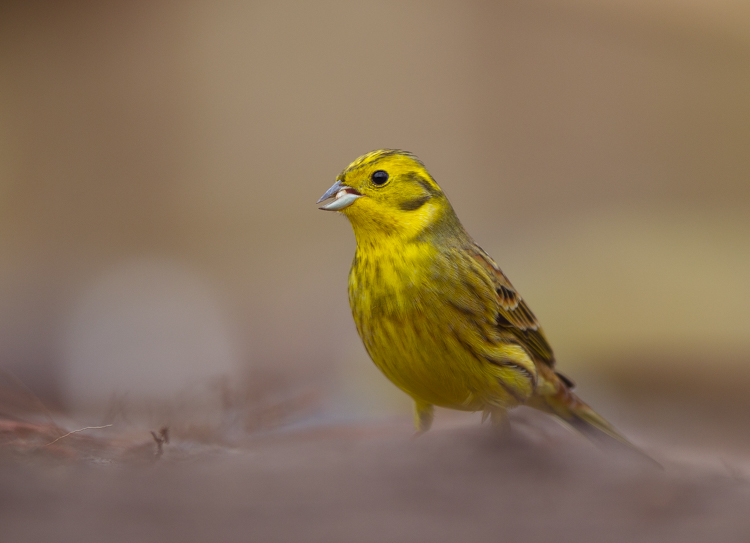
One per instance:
(371, 483)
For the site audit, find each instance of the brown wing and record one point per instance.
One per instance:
(513, 315)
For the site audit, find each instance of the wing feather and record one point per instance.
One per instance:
(513, 315)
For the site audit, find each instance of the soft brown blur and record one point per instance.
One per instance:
(161, 161)
(160, 245)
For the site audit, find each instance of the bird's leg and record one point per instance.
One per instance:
(424, 413)
(498, 419)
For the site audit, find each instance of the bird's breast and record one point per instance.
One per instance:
(404, 306)
(392, 284)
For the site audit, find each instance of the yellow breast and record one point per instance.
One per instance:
(403, 300)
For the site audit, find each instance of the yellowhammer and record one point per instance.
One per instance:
(434, 311)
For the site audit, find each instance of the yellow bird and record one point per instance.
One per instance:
(434, 311)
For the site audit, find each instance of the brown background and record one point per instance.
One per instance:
(161, 160)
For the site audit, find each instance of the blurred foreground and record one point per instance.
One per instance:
(372, 483)
(280, 465)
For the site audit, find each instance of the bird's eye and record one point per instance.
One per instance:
(379, 178)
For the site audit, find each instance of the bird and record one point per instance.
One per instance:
(435, 312)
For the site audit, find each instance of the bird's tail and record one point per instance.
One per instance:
(577, 413)
(567, 406)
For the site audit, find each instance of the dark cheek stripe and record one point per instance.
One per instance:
(413, 205)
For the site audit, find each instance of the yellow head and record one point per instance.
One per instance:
(388, 193)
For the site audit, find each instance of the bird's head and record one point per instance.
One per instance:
(387, 192)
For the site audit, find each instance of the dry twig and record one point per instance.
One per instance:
(76, 431)
(161, 438)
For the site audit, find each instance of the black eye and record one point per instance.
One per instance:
(379, 177)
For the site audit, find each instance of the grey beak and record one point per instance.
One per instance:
(345, 196)
(330, 193)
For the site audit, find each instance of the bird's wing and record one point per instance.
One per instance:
(513, 314)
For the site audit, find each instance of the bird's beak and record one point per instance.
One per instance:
(344, 195)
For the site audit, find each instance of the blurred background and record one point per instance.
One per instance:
(160, 163)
